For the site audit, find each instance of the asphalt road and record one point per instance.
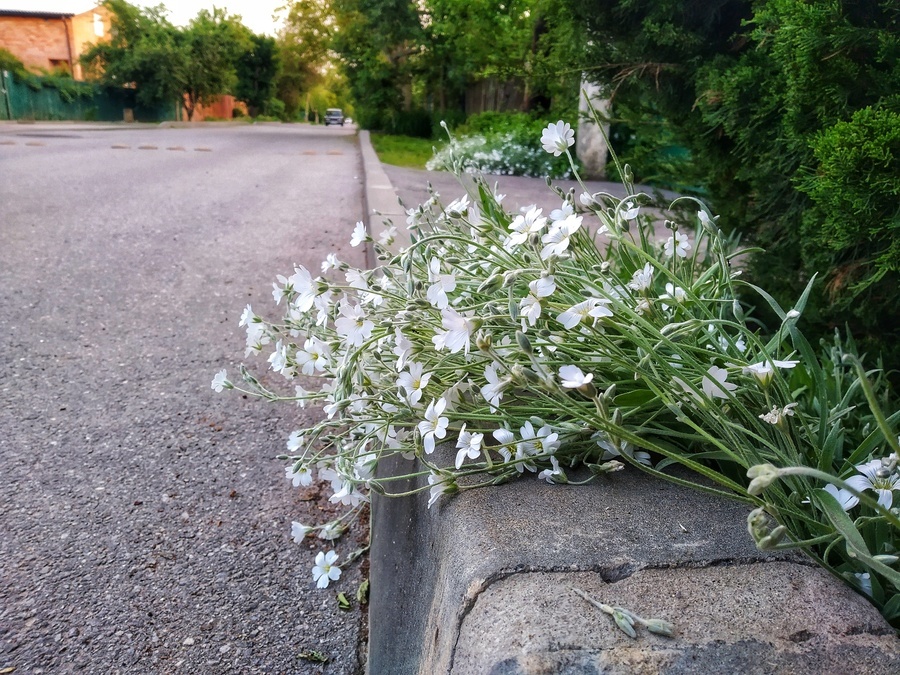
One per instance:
(144, 522)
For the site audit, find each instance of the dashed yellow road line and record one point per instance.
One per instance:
(120, 147)
(7, 142)
(147, 147)
(310, 152)
(176, 147)
(35, 143)
(202, 149)
(335, 152)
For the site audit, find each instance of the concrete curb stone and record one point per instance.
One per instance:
(481, 583)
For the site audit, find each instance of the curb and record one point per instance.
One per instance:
(482, 583)
(381, 200)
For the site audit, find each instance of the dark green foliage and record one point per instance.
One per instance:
(165, 63)
(765, 96)
(257, 70)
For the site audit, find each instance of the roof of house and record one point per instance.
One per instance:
(36, 15)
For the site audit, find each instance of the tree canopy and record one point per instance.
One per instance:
(165, 63)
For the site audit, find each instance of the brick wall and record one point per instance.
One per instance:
(84, 33)
(38, 43)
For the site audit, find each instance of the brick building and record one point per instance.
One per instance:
(52, 40)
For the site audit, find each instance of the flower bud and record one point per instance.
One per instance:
(660, 627)
(483, 341)
(491, 284)
(761, 476)
(524, 342)
(624, 622)
(513, 309)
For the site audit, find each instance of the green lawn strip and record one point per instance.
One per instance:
(403, 150)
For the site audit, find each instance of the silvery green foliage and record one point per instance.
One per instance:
(592, 336)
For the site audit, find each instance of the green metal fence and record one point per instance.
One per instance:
(23, 101)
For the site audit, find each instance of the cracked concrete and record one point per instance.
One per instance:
(481, 583)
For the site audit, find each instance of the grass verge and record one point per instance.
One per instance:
(403, 150)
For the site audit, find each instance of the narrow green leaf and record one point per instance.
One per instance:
(856, 546)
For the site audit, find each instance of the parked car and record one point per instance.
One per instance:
(334, 116)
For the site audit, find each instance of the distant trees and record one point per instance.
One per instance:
(400, 55)
(214, 55)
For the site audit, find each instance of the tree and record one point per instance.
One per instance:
(164, 63)
(304, 43)
(145, 51)
(258, 68)
(761, 93)
(212, 44)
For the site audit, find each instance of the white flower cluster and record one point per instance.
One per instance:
(533, 343)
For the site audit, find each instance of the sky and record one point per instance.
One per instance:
(256, 14)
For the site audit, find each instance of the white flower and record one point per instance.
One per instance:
(571, 377)
(402, 348)
(673, 292)
(504, 436)
(845, 498)
(302, 476)
(438, 487)
(299, 531)
(469, 446)
(443, 283)
(387, 236)
(323, 308)
(714, 383)
(764, 371)
(550, 475)
(543, 287)
(493, 390)
(346, 494)
(620, 448)
(352, 325)
(414, 381)
(557, 239)
(592, 307)
(220, 381)
(545, 441)
(557, 138)
(359, 234)
(873, 478)
(314, 356)
(302, 283)
(776, 414)
(530, 305)
(356, 279)
(325, 570)
(563, 212)
(279, 359)
(248, 317)
(642, 279)
(523, 226)
(679, 245)
(434, 426)
(331, 262)
(457, 331)
(458, 207)
(631, 211)
(331, 531)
